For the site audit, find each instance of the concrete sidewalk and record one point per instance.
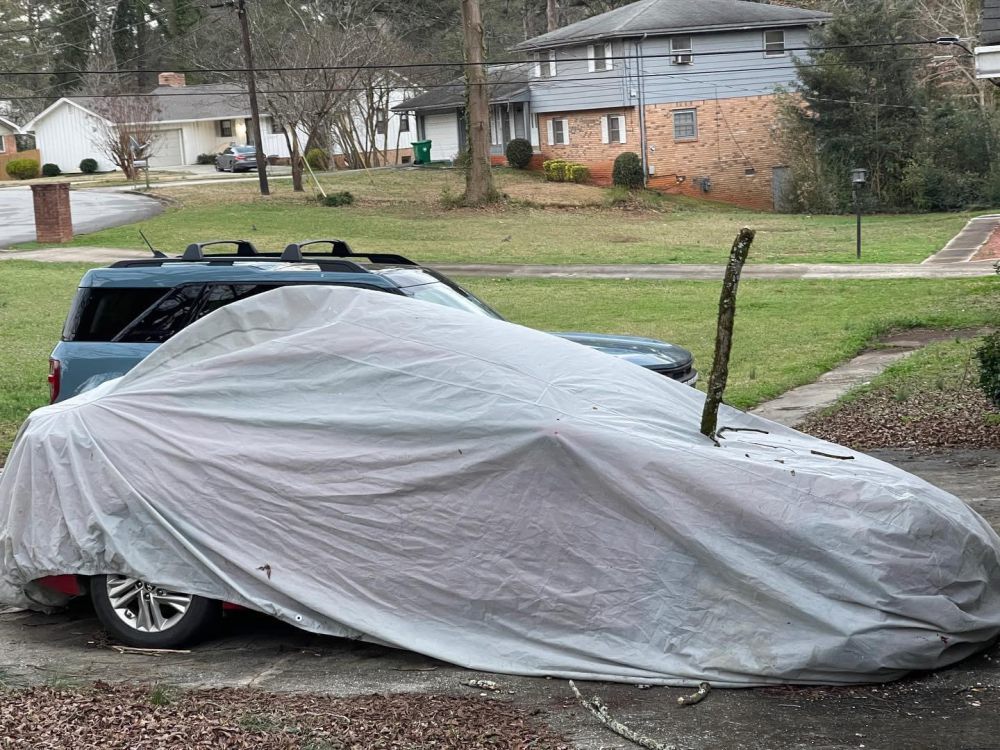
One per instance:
(964, 245)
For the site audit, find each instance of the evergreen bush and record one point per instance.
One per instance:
(88, 166)
(22, 169)
(518, 153)
(51, 170)
(627, 171)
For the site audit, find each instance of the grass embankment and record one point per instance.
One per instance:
(787, 332)
(403, 211)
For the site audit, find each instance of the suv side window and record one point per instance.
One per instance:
(220, 295)
(170, 315)
(101, 313)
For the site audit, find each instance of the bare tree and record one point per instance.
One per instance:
(127, 128)
(316, 76)
(479, 178)
(551, 15)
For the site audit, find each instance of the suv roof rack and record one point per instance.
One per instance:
(340, 249)
(195, 251)
(333, 265)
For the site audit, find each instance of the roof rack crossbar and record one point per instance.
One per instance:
(340, 249)
(196, 250)
(336, 265)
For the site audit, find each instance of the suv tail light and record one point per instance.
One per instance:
(55, 375)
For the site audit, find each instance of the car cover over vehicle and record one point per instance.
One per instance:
(377, 467)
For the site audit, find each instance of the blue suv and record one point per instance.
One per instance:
(122, 312)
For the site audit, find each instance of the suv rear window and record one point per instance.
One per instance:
(100, 313)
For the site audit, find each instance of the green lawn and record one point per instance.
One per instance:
(403, 211)
(788, 332)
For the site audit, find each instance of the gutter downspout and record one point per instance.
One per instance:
(640, 83)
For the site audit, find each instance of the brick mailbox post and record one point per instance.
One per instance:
(53, 221)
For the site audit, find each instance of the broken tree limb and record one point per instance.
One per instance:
(696, 697)
(724, 331)
(600, 712)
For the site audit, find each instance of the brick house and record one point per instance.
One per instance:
(689, 85)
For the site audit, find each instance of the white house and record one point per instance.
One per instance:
(190, 120)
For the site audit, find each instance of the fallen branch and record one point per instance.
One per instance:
(482, 685)
(135, 650)
(830, 455)
(724, 332)
(600, 712)
(695, 698)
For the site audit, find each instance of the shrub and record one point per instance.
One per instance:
(318, 160)
(51, 170)
(341, 198)
(627, 171)
(518, 153)
(988, 355)
(22, 169)
(576, 173)
(206, 159)
(554, 169)
(88, 166)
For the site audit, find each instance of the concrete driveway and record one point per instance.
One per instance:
(92, 210)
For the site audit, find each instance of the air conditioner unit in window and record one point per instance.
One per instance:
(683, 59)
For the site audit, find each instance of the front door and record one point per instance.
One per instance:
(249, 126)
(781, 184)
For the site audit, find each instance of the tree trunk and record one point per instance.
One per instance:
(478, 178)
(724, 333)
(551, 15)
(296, 160)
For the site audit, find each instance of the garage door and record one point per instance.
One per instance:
(442, 131)
(166, 149)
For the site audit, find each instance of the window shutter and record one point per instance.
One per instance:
(604, 128)
(621, 129)
(552, 63)
(608, 62)
(565, 132)
(591, 64)
(538, 65)
(551, 134)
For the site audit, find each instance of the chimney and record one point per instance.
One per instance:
(174, 80)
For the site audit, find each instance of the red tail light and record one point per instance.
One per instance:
(240, 158)
(55, 375)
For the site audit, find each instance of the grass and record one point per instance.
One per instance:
(403, 211)
(787, 332)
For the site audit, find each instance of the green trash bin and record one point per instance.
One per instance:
(421, 152)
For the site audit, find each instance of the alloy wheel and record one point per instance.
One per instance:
(144, 606)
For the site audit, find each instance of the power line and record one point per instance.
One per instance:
(569, 83)
(395, 66)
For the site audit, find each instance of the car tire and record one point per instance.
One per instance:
(153, 617)
(217, 167)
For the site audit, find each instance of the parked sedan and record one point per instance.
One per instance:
(237, 159)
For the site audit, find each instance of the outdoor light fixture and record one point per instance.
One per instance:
(859, 177)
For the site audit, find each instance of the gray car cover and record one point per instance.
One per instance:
(371, 466)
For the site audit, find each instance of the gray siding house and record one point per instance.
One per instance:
(689, 85)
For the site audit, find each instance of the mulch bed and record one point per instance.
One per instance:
(956, 418)
(143, 718)
(991, 248)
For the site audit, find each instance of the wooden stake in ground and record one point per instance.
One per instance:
(724, 332)
(478, 178)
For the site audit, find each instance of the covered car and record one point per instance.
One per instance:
(491, 496)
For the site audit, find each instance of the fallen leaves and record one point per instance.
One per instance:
(142, 718)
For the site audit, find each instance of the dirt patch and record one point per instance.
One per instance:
(990, 249)
(153, 718)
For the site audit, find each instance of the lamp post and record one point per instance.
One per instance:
(858, 179)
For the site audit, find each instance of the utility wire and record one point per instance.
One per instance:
(395, 66)
(568, 83)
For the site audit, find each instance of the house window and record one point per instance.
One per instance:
(774, 43)
(680, 48)
(613, 129)
(224, 128)
(381, 126)
(558, 132)
(685, 125)
(276, 128)
(3, 143)
(599, 57)
(545, 64)
(404, 123)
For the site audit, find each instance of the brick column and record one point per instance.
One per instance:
(53, 221)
